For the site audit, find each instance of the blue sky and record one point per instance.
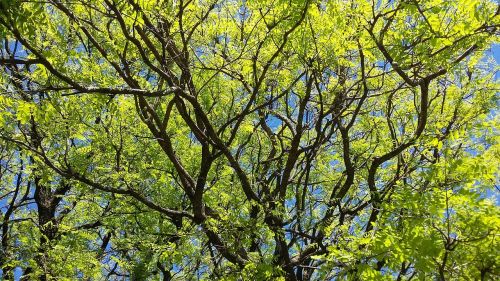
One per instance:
(495, 49)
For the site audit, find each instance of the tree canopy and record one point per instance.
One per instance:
(249, 140)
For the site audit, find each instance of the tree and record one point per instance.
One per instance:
(249, 140)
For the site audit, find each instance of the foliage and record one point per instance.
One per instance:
(249, 140)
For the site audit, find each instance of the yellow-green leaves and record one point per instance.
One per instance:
(249, 140)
